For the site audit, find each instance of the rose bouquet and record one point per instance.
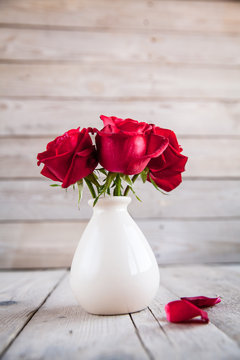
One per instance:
(111, 159)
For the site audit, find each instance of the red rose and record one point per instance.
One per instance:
(166, 169)
(127, 146)
(69, 157)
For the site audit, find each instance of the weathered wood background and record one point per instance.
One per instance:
(175, 63)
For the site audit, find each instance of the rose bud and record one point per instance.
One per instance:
(69, 157)
(166, 169)
(127, 146)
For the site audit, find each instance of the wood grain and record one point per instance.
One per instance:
(91, 46)
(202, 199)
(18, 157)
(53, 117)
(110, 80)
(202, 16)
(76, 334)
(212, 281)
(22, 293)
(52, 244)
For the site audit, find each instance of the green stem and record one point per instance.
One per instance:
(117, 190)
(134, 178)
(91, 189)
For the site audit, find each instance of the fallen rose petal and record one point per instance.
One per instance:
(202, 301)
(182, 311)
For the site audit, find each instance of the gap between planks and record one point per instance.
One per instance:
(120, 98)
(119, 62)
(125, 30)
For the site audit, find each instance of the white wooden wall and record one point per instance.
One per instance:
(174, 63)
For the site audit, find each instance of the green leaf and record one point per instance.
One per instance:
(105, 188)
(103, 171)
(130, 184)
(134, 192)
(80, 190)
(110, 177)
(54, 185)
(144, 175)
(94, 179)
(134, 178)
(96, 200)
(127, 179)
(90, 186)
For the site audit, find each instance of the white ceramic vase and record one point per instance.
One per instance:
(114, 270)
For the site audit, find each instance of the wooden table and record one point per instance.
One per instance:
(40, 319)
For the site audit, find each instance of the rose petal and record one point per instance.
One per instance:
(126, 125)
(120, 153)
(83, 164)
(202, 301)
(46, 172)
(182, 311)
(173, 160)
(168, 134)
(58, 165)
(167, 182)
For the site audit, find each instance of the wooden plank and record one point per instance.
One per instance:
(204, 16)
(199, 199)
(192, 199)
(211, 157)
(210, 281)
(207, 157)
(110, 80)
(177, 340)
(22, 293)
(191, 242)
(68, 332)
(165, 48)
(53, 117)
(39, 245)
(52, 244)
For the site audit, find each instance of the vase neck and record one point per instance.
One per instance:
(111, 203)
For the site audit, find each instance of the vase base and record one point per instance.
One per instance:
(115, 313)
